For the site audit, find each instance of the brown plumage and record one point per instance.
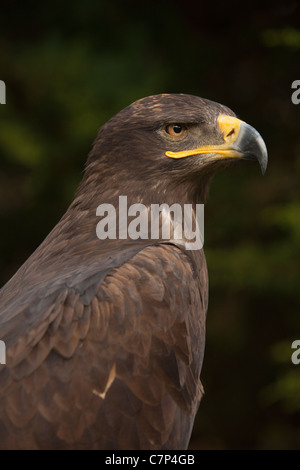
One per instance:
(105, 338)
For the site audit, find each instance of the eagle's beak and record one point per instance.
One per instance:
(240, 141)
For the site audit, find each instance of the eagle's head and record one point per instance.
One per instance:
(170, 144)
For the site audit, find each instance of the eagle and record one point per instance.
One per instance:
(104, 335)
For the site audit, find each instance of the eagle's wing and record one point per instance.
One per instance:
(122, 372)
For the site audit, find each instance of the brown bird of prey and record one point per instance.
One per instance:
(105, 332)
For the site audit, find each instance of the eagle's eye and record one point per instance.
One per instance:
(175, 130)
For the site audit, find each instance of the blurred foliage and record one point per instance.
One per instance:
(289, 37)
(69, 67)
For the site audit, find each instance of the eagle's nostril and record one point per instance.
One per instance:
(230, 136)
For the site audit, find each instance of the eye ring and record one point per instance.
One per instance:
(175, 130)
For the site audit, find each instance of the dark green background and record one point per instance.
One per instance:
(69, 66)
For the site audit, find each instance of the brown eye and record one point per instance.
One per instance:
(175, 130)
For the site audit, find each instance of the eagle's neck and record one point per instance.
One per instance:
(73, 243)
(127, 194)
